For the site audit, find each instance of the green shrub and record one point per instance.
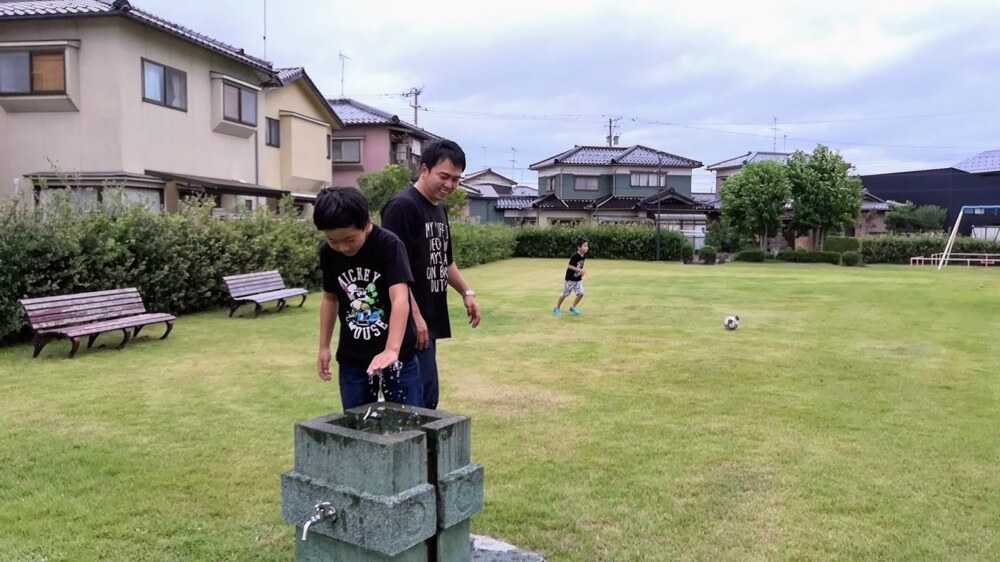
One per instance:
(899, 249)
(616, 241)
(810, 256)
(755, 256)
(850, 259)
(841, 244)
(707, 255)
(475, 244)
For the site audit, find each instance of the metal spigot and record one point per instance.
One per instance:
(323, 511)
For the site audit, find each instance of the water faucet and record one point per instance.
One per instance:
(323, 511)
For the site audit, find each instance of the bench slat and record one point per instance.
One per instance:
(56, 298)
(99, 296)
(274, 295)
(74, 306)
(87, 319)
(112, 325)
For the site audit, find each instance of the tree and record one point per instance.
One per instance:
(381, 186)
(827, 198)
(753, 199)
(910, 218)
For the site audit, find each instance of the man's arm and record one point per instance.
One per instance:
(399, 295)
(456, 280)
(327, 321)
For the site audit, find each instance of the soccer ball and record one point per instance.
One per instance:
(731, 322)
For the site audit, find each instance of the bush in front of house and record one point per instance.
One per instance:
(899, 249)
(810, 256)
(841, 244)
(752, 256)
(850, 259)
(707, 255)
(476, 244)
(611, 241)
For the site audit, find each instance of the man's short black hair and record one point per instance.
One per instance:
(341, 207)
(437, 151)
(580, 241)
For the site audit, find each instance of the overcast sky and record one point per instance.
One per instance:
(892, 85)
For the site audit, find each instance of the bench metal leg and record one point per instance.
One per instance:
(233, 308)
(137, 330)
(90, 340)
(126, 336)
(282, 303)
(75, 348)
(256, 309)
(170, 326)
(40, 342)
(303, 300)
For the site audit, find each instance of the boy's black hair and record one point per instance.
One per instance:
(580, 241)
(443, 149)
(340, 207)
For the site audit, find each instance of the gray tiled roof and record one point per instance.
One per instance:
(983, 162)
(514, 203)
(636, 155)
(38, 9)
(550, 201)
(353, 112)
(748, 158)
(286, 75)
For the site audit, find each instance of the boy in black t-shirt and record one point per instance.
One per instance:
(366, 283)
(574, 278)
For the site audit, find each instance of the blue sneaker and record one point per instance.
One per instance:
(557, 312)
(574, 311)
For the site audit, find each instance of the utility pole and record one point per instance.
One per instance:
(612, 138)
(513, 161)
(415, 94)
(343, 58)
(659, 197)
(774, 131)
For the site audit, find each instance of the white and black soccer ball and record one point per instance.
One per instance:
(731, 322)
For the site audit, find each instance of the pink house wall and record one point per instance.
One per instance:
(374, 154)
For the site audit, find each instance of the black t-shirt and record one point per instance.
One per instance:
(576, 260)
(361, 284)
(423, 228)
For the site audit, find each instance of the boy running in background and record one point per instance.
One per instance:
(574, 278)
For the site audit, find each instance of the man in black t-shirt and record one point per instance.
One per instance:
(574, 278)
(366, 283)
(419, 218)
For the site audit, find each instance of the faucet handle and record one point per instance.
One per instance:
(324, 510)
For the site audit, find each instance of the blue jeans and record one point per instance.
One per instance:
(429, 374)
(402, 386)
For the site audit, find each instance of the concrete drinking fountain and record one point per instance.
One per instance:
(383, 482)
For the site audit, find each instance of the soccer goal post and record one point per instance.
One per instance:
(966, 209)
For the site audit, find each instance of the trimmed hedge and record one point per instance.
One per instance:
(850, 259)
(753, 256)
(475, 244)
(614, 241)
(841, 244)
(707, 255)
(899, 249)
(810, 256)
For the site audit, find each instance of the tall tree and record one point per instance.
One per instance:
(381, 186)
(752, 200)
(827, 197)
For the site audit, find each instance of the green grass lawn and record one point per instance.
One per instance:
(854, 415)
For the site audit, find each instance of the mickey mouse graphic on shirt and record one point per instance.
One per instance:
(364, 306)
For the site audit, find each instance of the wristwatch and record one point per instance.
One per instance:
(469, 293)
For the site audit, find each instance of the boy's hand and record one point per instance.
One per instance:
(583, 273)
(323, 364)
(383, 360)
(423, 335)
(472, 310)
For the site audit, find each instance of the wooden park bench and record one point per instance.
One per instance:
(259, 288)
(90, 314)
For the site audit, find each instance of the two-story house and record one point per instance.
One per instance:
(491, 195)
(616, 184)
(371, 140)
(95, 94)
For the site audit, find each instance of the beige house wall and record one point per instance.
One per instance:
(301, 164)
(114, 129)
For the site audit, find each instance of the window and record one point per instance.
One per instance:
(348, 151)
(640, 179)
(547, 184)
(272, 136)
(32, 72)
(585, 183)
(162, 85)
(239, 104)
